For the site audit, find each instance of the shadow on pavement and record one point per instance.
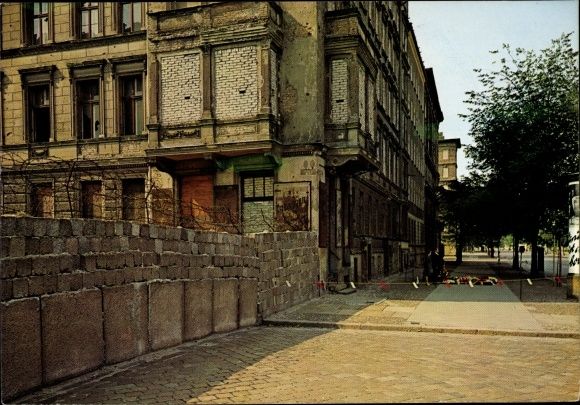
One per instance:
(178, 374)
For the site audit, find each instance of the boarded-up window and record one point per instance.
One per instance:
(196, 201)
(258, 203)
(134, 200)
(42, 200)
(92, 199)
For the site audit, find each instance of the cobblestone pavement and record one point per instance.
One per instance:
(309, 365)
(314, 365)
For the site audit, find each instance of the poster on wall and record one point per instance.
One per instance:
(292, 206)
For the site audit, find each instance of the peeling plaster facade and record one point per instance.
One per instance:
(232, 116)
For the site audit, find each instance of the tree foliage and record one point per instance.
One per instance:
(524, 123)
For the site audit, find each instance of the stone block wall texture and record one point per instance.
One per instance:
(77, 294)
(289, 269)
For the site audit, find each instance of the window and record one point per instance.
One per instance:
(42, 200)
(89, 16)
(91, 199)
(39, 23)
(38, 96)
(134, 200)
(39, 113)
(132, 121)
(36, 23)
(445, 154)
(445, 172)
(258, 203)
(88, 109)
(132, 16)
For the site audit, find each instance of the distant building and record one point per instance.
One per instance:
(448, 160)
(447, 164)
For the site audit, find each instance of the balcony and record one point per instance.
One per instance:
(350, 149)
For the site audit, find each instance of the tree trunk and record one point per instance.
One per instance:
(516, 260)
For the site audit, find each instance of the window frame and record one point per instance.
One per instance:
(81, 73)
(27, 18)
(121, 69)
(120, 15)
(91, 102)
(265, 198)
(36, 77)
(122, 80)
(76, 19)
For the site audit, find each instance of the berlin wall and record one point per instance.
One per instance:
(77, 294)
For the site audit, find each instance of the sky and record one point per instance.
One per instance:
(455, 37)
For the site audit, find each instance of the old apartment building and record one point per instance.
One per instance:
(235, 116)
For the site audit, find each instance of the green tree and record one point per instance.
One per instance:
(524, 123)
(472, 213)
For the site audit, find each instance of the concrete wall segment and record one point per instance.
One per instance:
(72, 334)
(113, 303)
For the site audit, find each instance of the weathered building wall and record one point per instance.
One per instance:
(302, 72)
(322, 99)
(114, 290)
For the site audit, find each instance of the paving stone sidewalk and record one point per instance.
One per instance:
(314, 365)
(514, 308)
(338, 364)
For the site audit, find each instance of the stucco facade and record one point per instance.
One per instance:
(231, 116)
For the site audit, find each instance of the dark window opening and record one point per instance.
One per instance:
(134, 200)
(132, 105)
(91, 199)
(42, 200)
(88, 109)
(132, 16)
(39, 110)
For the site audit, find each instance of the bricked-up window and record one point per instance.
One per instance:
(92, 199)
(88, 108)
(339, 91)
(132, 16)
(235, 82)
(42, 200)
(89, 15)
(132, 105)
(258, 203)
(134, 200)
(181, 100)
(39, 111)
